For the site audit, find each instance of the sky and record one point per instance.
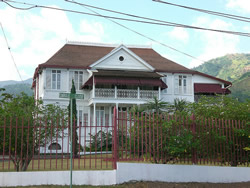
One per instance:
(34, 35)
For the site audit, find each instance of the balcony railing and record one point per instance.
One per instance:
(123, 93)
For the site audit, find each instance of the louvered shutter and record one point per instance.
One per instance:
(48, 79)
(70, 79)
(176, 84)
(189, 84)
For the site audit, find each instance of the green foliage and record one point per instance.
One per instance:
(156, 105)
(74, 118)
(101, 141)
(22, 112)
(221, 107)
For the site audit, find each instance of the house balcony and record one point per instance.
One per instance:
(122, 96)
(104, 93)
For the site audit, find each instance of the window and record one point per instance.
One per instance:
(54, 146)
(56, 79)
(100, 117)
(77, 76)
(182, 84)
(165, 80)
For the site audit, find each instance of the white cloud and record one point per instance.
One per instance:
(35, 37)
(179, 34)
(215, 44)
(239, 5)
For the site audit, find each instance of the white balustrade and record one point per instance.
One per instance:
(148, 94)
(124, 93)
(104, 93)
(127, 93)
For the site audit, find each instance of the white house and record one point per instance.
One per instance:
(117, 75)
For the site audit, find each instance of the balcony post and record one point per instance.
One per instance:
(138, 92)
(94, 114)
(93, 87)
(116, 92)
(159, 93)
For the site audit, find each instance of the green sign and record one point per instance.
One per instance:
(72, 96)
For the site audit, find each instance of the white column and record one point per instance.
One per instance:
(110, 115)
(93, 87)
(138, 92)
(94, 115)
(117, 106)
(159, 90)
(89, 116)
(67, 87)
(115, 91)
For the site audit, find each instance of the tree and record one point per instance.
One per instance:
(156, 105)
(26, 125)
(74, 117)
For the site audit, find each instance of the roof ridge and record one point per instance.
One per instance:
(114, 45)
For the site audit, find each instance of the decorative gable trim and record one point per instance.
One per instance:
(122, 47)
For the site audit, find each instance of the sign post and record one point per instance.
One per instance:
(71, 97)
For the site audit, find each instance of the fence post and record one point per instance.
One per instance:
(115, 139)
(194, 154)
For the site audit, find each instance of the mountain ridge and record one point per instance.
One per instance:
(231, 67)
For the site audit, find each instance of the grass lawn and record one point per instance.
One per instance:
(93, 162)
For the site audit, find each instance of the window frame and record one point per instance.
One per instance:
(58, 74)
(79, 81)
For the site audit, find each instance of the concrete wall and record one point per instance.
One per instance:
(181, 173)
(130, 171)
(57, 178)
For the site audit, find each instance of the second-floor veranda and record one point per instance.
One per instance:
(127, 87)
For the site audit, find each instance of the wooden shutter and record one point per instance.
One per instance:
(48, 79)
(176, 84)
(189, 84)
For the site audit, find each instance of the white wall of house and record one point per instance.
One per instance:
(174, 90)
(202, 79)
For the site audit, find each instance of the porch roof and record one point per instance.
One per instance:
(125, 81)
(210, 88)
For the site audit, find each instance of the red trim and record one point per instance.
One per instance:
(125, 81)
(210, 88)
(63, 66)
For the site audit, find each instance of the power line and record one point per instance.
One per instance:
(229, 16)
(13, 60)
(131, 20)
(186, 54)
(162, 21)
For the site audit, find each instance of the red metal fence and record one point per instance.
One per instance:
(43, 144)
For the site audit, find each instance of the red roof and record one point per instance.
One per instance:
(82, 56)
(210, 88)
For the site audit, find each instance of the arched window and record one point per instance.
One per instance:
(55, 146)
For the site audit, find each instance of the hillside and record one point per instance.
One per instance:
(234, 68)
(16, 87)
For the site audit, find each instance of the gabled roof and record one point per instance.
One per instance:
(123, 48)
(82, 56)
